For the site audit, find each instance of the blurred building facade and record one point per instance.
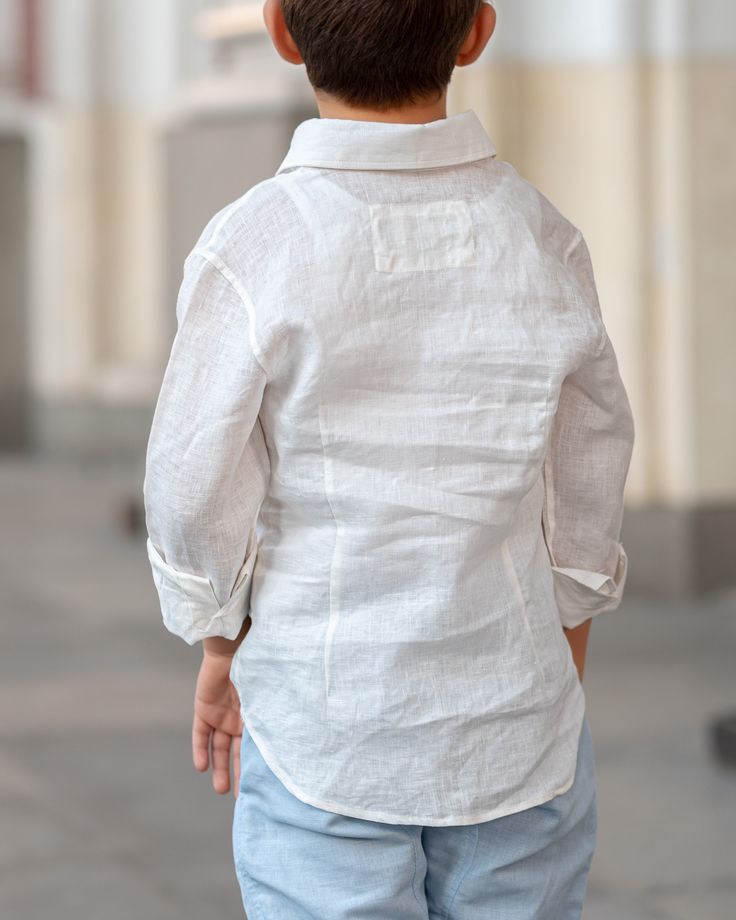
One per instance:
(148, 117)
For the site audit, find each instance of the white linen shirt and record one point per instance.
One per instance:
(392, 430)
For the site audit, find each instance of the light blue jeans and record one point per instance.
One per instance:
(297, 862)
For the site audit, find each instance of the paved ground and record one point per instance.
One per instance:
(104, 818)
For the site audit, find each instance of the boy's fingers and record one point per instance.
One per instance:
(221, 760)
(200, 743)
(236, 765)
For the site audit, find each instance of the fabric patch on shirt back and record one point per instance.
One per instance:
(422, 237)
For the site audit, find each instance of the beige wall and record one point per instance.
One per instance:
(714, 274)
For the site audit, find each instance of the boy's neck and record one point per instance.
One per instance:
(330, 107)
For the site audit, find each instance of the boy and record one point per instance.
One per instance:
(389, 453)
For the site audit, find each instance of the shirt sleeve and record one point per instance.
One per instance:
(207, 467)
(584, 474)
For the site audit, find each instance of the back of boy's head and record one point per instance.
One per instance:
(379, 54)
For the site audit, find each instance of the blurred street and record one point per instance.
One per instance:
(105, 818)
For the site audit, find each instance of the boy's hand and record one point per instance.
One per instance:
(217, 727)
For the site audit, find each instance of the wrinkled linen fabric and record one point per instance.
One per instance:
(393, 432)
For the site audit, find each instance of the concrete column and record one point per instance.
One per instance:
(110, 74)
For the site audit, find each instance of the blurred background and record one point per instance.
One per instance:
(124, 126)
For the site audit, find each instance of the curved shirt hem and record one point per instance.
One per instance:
(386, 818)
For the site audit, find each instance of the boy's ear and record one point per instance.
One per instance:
(478, 36)
(273, 17)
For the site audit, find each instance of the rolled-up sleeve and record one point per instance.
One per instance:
(584, 473)
(207, 465)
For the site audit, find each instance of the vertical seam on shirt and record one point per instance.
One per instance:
(334, 580)
(524, 606)
(214, 259)
(549, 502)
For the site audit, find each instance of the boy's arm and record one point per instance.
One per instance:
(584, 475)
(577, 637)
(207, 465)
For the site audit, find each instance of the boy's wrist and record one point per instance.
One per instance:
(577, 638)
(220, 647)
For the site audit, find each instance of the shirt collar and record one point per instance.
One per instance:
(343, 143)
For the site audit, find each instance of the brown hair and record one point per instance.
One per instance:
(379, 53)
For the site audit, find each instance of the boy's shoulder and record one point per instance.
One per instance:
(553, 229)
(242, 228)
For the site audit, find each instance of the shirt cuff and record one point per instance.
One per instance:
(581, 594)
(189, 606)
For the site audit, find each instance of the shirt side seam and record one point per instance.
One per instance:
(214, 259)
(549, 501)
